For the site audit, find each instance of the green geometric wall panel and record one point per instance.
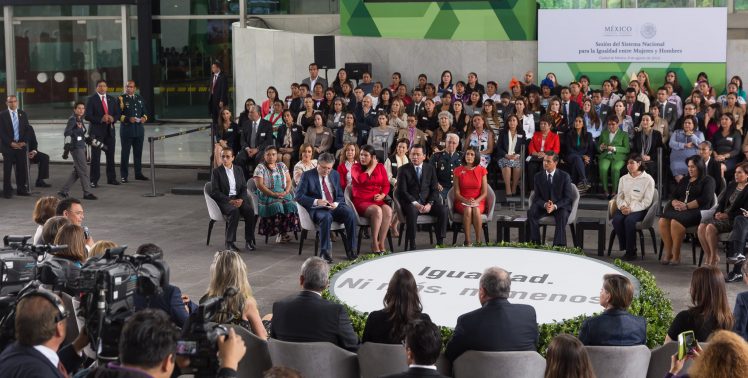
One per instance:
(500, 20)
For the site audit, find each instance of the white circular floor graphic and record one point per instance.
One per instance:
(558, 285)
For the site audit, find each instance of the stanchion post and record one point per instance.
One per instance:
(153, 170)
(522, 176)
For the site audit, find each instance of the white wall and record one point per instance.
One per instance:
(265, 57)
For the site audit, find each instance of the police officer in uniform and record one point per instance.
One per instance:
(131, 131)
(445, 163)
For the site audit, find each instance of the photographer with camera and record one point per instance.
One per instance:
(148, 346)
(40, 328)
(171, 300)
(75, 144)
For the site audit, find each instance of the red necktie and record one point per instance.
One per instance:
(328, 196)
(62, 370)
(104, 104)
(628, 112)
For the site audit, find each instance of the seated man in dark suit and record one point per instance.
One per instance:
(307, 317)
(417, 192)
(320, 193)
(423, 344)
(229, 190)
(37, 157)
(498, 326)
(713, 167)
(256, 134)
(552, 198)
(171, 300)
(41, 325)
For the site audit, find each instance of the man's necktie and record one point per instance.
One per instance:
(62, 369)
(16, 130)
(253, 135)
(418, 173)
(213, 84)
(328, 196)
(550, 180)
(104, 104)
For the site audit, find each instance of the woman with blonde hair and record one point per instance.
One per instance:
(100, 247)
(44, 209)
(227, 270)
(726, 356)
(396, 118)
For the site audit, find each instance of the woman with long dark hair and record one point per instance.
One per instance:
(272, 95)
(370, 187)
(578, 152)
(445, 85)
(567, 358)
(401, 305)
(340, 78)
(709, 310)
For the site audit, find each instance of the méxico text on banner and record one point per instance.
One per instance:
(632, 35)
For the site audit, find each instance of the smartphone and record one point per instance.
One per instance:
(686, 344)
(186, 348)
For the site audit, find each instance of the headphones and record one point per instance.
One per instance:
(55, 300)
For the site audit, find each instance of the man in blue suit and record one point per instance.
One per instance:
(102, 110)
(552, 198)
(320, 193)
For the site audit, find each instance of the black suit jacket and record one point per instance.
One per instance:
(6, 129)
(417, 372)
(573, 112)
(498, 326)
(170, 301)
(415, 109)
(656, 143)
(264, 136)
(297, 136)
(18, 361)
(560, 194)
(502, 148)
(307, 317)
(670, 115)
(637, 111)
(220, 91)
(94, 112)
(714, 170)
(220, 187)
(409, 189)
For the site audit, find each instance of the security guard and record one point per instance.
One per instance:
(445, 163)
(131, 130)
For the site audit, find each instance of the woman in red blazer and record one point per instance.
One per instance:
(347, 158)
(370, 187)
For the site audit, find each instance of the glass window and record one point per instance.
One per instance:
(196, 7)
(741, 4)
(570, 4)
(66, 10)
(59, 62)
(184, 52)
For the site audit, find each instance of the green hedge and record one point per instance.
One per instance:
(652, 304)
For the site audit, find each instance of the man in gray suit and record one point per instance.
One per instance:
(668, 112)
(314, 77)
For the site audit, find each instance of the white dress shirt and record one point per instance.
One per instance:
(49, 354)
(232, 180)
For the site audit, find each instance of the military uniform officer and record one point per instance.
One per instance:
(131, 130)
(445, 163)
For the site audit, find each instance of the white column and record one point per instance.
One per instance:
(10, 50)
(125, 46)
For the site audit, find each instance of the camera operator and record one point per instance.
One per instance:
(72, 209)
(40, 328)
(148, 344)
(76, 146)
(171, 300)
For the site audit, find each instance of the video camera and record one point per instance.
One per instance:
(95, 143)
(200, 335)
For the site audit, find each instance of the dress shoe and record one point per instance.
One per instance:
(326, 256)
(8, 195)
(94, 185)
(141, 177)
(734, 277)
(124, 180)
(24, 194)
(112, 182)
(629, 257)
(41, 184)
(62, 194)
(90, 196)
(250, 245)
(232, 247)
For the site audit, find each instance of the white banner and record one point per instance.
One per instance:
(558, 285)
(633, 35)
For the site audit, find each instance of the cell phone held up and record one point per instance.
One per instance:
(686, 344)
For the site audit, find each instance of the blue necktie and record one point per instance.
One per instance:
(418, 173)
(16, 132)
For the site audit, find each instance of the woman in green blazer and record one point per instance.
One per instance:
(613, 151)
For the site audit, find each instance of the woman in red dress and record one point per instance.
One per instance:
(470, 190)
(369, 188)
